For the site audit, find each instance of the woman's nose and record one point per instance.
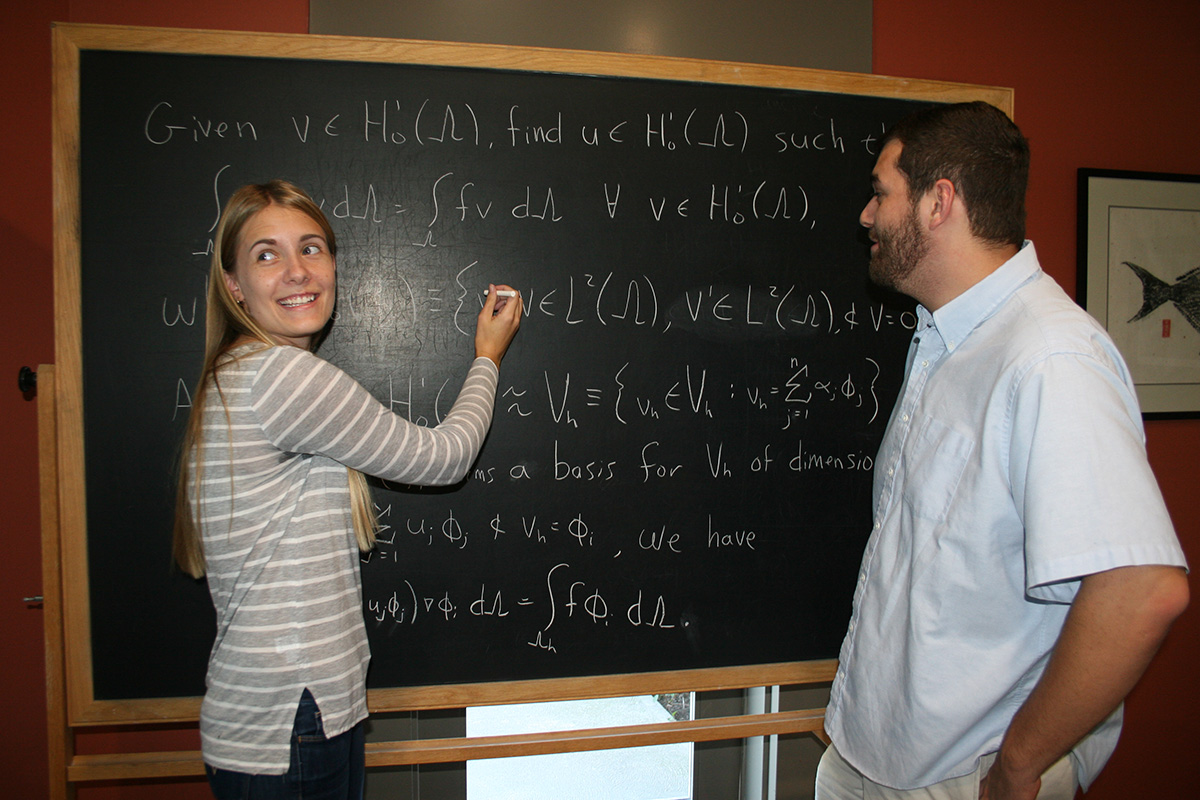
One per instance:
(295, 271)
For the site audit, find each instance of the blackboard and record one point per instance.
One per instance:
(678, 476)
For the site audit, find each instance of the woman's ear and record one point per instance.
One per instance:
(231, 282)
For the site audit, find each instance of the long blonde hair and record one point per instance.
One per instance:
(225, 322)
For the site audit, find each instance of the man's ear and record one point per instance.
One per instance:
(945, 201)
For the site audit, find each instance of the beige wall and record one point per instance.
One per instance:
(824, 34)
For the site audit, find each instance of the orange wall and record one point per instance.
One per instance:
(1110, 84)
(1094, 88)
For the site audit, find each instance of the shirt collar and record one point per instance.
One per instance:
(955, 320)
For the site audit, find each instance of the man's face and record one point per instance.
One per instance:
(892, 219)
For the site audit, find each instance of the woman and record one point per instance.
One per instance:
(273, 506)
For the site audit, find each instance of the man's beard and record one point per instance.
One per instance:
(899, 252)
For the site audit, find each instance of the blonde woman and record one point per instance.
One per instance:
(273, 506)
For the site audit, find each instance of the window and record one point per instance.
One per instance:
(657, 772)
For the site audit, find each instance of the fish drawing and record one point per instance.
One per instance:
(1184, 293)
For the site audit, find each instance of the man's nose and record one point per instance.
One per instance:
(867, 217)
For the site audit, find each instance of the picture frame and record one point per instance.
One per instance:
(1139, 276)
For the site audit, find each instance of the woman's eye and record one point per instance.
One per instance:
(265, 255)
(311, 250)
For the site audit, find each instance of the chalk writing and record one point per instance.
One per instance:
(684, 429)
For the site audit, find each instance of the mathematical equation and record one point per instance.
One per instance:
(566, 593)
(562, 600)
(608, 301)
(430, 123)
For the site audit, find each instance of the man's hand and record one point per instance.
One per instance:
(1115, 625)
(997, 786)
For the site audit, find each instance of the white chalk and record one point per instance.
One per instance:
(502, 293)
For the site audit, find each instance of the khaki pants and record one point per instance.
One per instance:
(837, 780)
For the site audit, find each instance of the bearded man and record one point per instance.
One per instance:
(1022, 569)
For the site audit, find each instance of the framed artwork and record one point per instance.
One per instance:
(1139, 275)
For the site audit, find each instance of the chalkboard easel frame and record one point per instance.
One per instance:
(69, 646)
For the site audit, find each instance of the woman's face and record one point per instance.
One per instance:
(284, 274)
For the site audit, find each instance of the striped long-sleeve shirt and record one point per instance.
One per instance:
(275, 516)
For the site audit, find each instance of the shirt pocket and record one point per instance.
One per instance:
(935, 462)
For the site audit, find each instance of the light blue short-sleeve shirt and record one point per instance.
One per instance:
(1013, 465)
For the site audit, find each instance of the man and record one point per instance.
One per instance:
(1022, 570)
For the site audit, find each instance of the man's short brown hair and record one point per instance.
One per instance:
(981, 151)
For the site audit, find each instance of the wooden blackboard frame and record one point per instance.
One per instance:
(66, 496)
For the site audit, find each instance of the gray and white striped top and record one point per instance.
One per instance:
(279, 543)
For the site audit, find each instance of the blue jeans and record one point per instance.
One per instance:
(320, 769)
